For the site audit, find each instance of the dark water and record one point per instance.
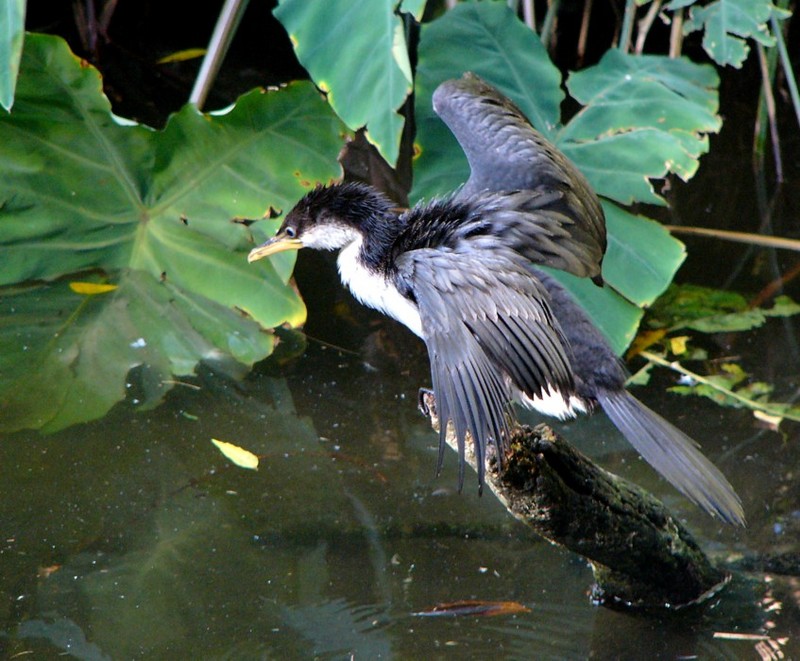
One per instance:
(132, 537)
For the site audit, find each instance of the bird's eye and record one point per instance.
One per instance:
(290, 232)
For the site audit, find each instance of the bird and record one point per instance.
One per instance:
(466, 273)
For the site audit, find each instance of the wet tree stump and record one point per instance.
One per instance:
(641, 556)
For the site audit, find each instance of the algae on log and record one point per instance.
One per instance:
(641, 556)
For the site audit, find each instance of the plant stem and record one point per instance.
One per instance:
(786, 63)
(224, 30)
(549, 22)
(529, 14)
(749, 403)
(769, 101)
(676, 34)
(739, 237)
(584, 33)
(627, 26)
(645, 24)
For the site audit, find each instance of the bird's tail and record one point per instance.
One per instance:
(673, 454)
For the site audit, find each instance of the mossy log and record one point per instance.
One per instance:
(641, 556)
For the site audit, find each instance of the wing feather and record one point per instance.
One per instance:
(506, 153)
(489, 334)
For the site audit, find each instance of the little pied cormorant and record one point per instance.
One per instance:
(461, 273)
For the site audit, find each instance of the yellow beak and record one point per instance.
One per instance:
(278, 243)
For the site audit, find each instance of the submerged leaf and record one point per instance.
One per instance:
(474, 607)
(239, 456)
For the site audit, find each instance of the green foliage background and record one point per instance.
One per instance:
(86, 196)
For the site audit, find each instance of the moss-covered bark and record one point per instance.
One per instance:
(641, 556)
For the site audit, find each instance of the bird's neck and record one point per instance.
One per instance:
(377, 238)
(373, 285)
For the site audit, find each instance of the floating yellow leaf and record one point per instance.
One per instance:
(678, 344)
(91, 288)
(183, 55)
(239, 456)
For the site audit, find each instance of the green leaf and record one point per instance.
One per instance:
(617, 318)
(729, 387)
(641, 377)
(682, 303)
(355, 50)
(714, 311)
(705, 309)
(12, 30)
(727, 323)
(643, 117)
(414, 7)
(783, 307)
(150, 211)
(639, 245)
(674, 5)
(487, 38)
(728, 24)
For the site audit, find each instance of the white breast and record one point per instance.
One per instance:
(376, 291)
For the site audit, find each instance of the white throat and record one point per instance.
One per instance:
(374, 290)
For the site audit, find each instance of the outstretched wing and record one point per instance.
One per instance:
(506, 153)
(489, 333)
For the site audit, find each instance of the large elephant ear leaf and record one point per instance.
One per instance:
(158, 216)
(356, 51)
(641, 118)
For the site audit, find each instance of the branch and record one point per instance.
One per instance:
(641, 556)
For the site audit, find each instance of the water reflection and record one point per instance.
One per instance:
(133, 537)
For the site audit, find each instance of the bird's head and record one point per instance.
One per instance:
(327, 218)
